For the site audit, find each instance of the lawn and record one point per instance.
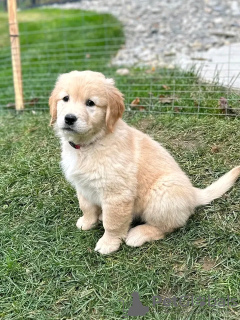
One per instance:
(55, 41)
(48, 268)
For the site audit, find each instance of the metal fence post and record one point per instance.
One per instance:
(16, 58)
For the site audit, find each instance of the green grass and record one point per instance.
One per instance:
(55, 41)
(48, 268)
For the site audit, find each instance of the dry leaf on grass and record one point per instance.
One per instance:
(135, 104)
(167, 99)
(177, 109)
(166, 87)
(215, 149)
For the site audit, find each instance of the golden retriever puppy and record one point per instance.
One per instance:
(118, 172)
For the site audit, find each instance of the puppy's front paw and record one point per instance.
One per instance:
(107, 245)
(85, 224)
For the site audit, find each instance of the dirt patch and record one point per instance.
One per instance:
(186, 143)
(145, 124)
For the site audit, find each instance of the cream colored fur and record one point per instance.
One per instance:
(119, 172)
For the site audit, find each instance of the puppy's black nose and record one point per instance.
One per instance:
(70, 118)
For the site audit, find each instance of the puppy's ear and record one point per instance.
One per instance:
(54, 99)
(115, 107)
(53, 107)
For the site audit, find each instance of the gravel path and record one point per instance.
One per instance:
(173, 32)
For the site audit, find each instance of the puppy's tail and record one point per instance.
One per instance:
(217, 188)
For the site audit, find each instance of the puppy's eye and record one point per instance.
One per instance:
(66, 98)
(90, 103)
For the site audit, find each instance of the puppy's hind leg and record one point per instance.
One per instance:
(137, 236)
(170, 203)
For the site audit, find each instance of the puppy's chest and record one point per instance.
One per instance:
(86, 174)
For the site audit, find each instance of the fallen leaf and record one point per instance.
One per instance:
(177, 109)
(135, 102)
(215, 149)
(166, 87)
(88, 55)
(167, 99)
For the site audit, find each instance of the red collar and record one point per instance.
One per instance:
(75, 146)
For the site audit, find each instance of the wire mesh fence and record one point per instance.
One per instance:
(54, 41)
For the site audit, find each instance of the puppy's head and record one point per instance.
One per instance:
(84, 103)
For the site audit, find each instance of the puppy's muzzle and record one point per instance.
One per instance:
(70, 119)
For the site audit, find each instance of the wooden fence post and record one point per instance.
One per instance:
(16, 57)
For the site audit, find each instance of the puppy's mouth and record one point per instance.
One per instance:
(68, 129)
(75, 130)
